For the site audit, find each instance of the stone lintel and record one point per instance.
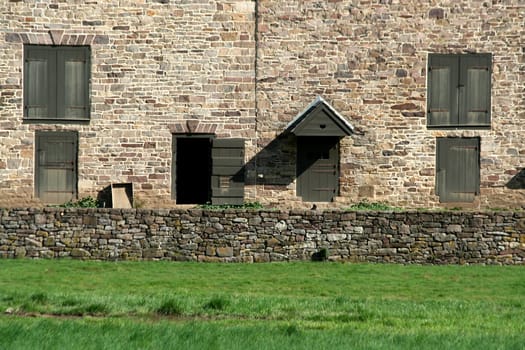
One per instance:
(193, 127)
(57, 37)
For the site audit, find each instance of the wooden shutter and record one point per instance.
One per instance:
(39, 82)
(474, 89)
(73, 83)
(442, 90)
(457, 176)
(227, 179)
(56, 168)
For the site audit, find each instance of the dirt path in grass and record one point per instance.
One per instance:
(145, 317)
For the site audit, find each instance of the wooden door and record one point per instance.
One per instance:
(457, 177)
(208, 170)
(317, 168)
(56, 166)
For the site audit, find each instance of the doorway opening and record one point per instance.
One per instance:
(192, 165)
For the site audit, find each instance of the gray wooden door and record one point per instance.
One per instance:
(317, 168)
(227, 174)
(457, 177)
(56, 166)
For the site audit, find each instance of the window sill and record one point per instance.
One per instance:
(55, 121)
(461, 126)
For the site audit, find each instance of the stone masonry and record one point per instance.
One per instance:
(157, 67)
(245, 69)
(433, 237)
(369, 60)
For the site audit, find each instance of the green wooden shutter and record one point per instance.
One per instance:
(227, 178)
(56, 166)
(474, 91)
(39, 82)
(457, 176)
(442, 90)
(73, 83)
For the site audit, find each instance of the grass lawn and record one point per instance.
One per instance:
(59, 304)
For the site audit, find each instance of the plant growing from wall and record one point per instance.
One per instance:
(248, 205)
(372, 206)
(85, 202)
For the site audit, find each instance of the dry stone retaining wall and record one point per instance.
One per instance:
(264, 236)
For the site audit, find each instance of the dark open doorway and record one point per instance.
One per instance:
(192, 169)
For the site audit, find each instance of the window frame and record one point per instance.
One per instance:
(55, 99)
(458, 100)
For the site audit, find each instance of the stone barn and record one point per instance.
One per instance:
(288, 103)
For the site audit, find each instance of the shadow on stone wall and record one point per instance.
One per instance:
(275, 164)
(517, 182)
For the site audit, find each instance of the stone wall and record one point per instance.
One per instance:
(245, 69)
(262, 236)
(157, 68)
(368, 59)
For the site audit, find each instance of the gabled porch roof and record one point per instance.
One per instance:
(320, 119)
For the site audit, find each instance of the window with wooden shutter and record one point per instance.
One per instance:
(458, 93)
(56, 83)
(457, 173)
(39, 80)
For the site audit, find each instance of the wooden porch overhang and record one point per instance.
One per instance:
(320, 119)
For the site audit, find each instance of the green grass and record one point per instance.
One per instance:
(150, 305)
